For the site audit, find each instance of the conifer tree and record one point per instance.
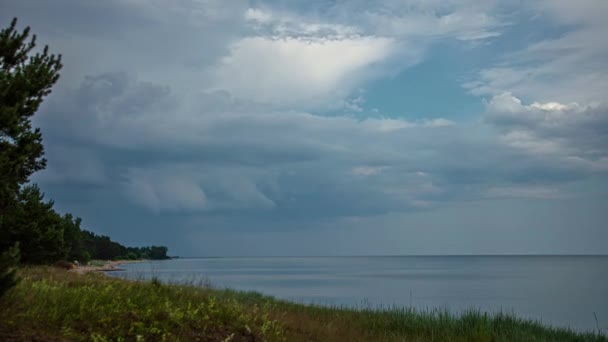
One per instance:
(26, 78)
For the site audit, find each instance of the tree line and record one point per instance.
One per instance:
(31, 231)
(44, 236)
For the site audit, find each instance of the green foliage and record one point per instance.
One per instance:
(36, 226)
(73, 239)
(62, 305)
(25, 79)
(150, 252)
(102, 247)
(8, 268)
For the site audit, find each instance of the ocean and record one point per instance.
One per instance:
(562, 291)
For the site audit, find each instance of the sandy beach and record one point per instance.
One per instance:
(107, 267)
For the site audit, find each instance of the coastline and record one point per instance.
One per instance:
(50, 304)
(109, 266)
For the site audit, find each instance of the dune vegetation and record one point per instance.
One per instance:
(52, 304)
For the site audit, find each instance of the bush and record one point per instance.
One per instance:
(64, 264)
(8, 268)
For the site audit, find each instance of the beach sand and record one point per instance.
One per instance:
(107, 267)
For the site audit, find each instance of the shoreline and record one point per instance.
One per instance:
(52, 304)
(109, 266)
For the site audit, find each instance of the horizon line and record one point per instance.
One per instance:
(390, 255)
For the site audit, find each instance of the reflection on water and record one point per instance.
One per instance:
(559, 290)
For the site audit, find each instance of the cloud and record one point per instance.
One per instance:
(284, 24)
(534, 192)
(566, 67)
(252, 116)
(367, 170)
(159, 192)
(78, 165)
(299, 71)
(216, 155)
(462, 20)
(575, 133)
(424, 22)
(171, 43)
(283, 55)
(315, 61)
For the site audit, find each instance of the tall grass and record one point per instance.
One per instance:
(51, 304)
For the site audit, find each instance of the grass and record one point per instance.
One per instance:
(54, 305)
(95, 262)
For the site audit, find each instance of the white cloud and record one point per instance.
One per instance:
(288, 25)
(390, 125)
(258, 15)
(367, 170)
(529, 142)
(299, 71)
(354, 104)
(569, 67)
(270, 53)
(572, 131)
(459, 24)
(439, 122)
(311, 61)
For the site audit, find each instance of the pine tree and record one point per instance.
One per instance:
(26, 78)
(37, 227)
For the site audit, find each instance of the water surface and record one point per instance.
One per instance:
(559, 290)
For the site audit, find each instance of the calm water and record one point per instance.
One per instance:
(559, 290)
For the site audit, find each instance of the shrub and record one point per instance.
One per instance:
(8, 268)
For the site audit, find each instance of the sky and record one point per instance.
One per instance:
(318, 127)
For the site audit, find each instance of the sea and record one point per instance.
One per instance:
(562, 291)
